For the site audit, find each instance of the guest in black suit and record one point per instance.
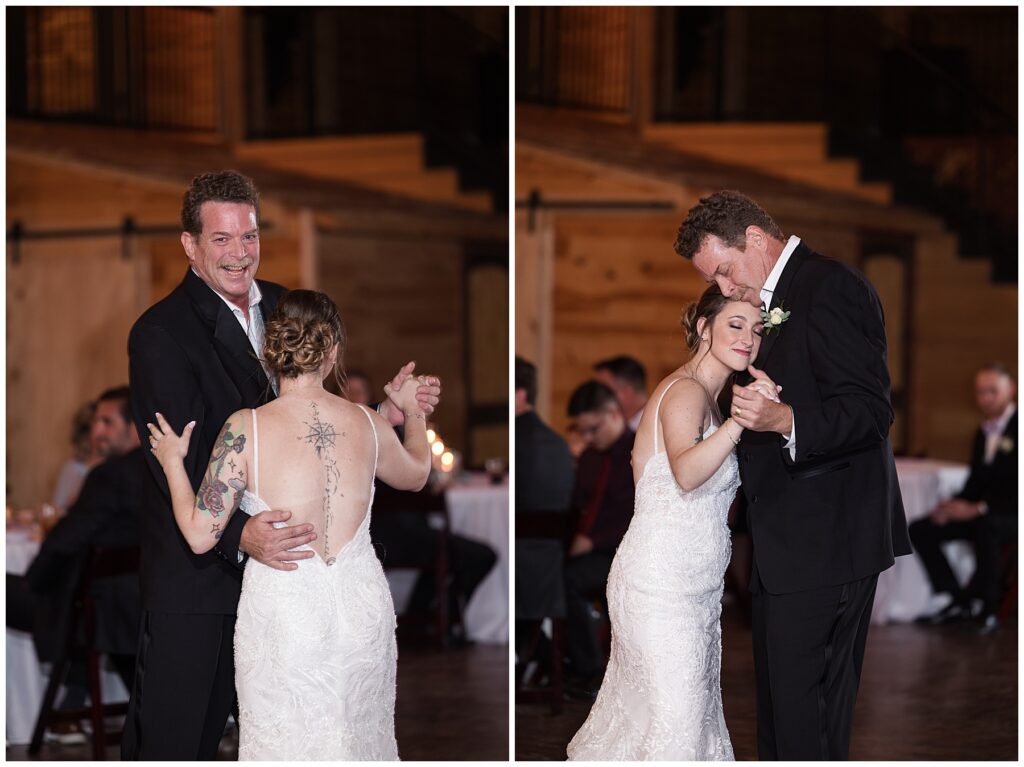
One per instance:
(106, 514)
(544, 469)
(823, 502)
(196, 354)
(983, 512)
(544, 481)
(603, 499)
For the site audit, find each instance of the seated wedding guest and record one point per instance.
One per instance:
(627, 378)
(544, 480)
(983, 512)
(106, 513)
(544, 469)
(84, 457)
(359, 389)
(407, 537)
(603, 499)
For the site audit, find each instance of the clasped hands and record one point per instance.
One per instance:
(757, 406)
(428, 394)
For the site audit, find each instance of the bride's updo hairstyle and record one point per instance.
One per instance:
(300, 333)
(707, 307)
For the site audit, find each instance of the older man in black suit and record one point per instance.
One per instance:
(824, 506)
(197, 354)
(983, 512)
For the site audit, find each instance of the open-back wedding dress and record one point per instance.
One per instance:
(661, 696)
(315, 651)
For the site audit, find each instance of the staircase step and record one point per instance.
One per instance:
(784, 142)
(794, 151)
(350, 154)
(392, 163)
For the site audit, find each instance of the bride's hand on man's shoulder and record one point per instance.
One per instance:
(165, 444)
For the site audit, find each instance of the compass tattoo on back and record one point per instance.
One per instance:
(322, 437)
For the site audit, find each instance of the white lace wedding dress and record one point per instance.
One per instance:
(661, 696)
(315, 651)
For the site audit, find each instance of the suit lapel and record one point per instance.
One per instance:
(230, 342)
(778, 298)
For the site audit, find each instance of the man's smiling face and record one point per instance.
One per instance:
(226, 254)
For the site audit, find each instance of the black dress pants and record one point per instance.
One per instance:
(184, 687)
(407, 537)
(586, 579)
(987, 533)
(808, 655)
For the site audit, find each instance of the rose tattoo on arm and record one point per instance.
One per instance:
(220, 492)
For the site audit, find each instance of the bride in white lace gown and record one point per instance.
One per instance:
(661, 695)
(315, 652)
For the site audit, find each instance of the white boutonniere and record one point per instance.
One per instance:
(773, 320)
(1006, 444)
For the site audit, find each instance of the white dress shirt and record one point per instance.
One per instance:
(994, 431)
(766, 298)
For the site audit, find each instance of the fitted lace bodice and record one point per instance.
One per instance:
(661, 695)
(315, 652)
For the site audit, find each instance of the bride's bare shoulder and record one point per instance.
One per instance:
(677, 389)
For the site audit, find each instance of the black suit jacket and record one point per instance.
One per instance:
(994, 483)
(834, 514)
(544, 470)
(190, 359)
(106, 513)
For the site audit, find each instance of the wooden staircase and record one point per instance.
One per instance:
(389, 163)
(792, 151)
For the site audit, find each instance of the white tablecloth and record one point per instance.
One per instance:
(903, 590)
(26, 678)
(478, 509)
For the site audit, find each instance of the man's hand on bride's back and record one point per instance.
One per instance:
(270, 545)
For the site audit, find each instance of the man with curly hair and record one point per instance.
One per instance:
(197, 354)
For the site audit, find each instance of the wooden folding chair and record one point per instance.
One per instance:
(100, 563)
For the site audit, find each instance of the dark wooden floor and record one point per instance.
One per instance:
(926, 694)
(452, 705)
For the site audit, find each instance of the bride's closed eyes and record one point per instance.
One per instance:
(741, 324)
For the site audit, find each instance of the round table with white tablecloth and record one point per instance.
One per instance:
(25, 681)
(903, 590)
(478, 509)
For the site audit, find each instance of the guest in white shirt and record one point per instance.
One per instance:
(983, 512)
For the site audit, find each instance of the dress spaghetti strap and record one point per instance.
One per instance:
(255, 456)
(376, 444)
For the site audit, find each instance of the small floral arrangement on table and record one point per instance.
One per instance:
(773, 319)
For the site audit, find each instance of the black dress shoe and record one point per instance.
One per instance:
(989, 625)
(954, 613)
(584, 688)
